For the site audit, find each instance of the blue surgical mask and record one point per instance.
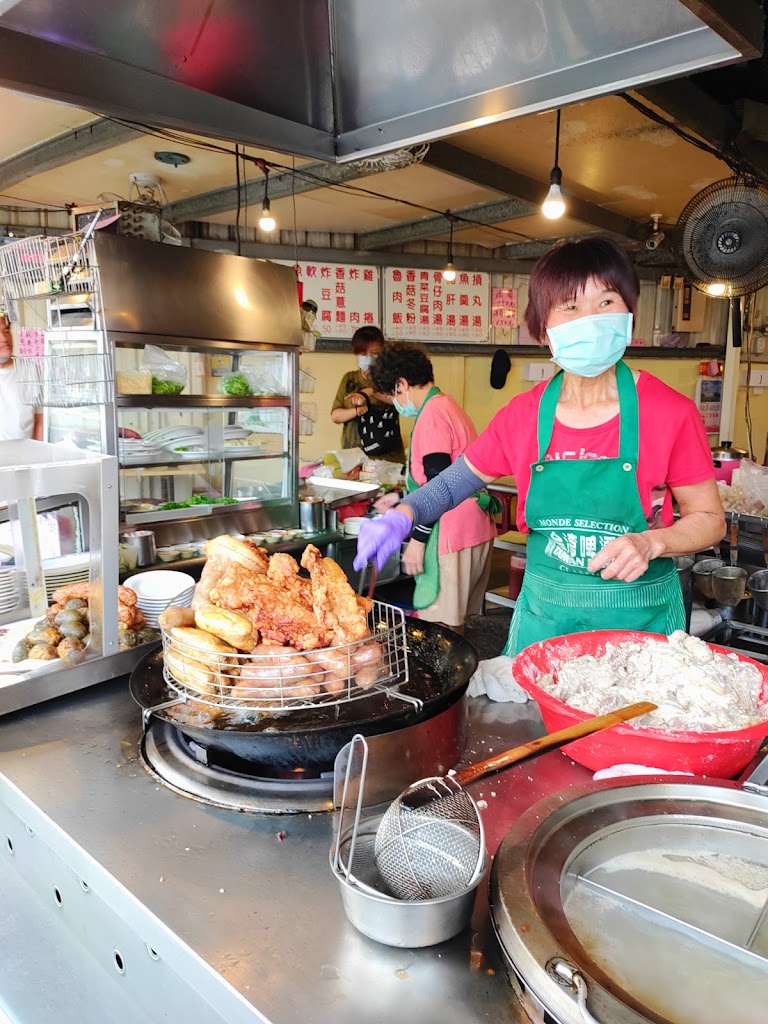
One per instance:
(590, 345)
(409, 409)
(366, 362)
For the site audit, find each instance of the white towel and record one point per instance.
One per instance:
(618, 771)
(494, 679)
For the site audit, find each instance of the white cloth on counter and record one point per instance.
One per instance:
(493, 678)
(618, 771)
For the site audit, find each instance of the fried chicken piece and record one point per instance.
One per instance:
(284, 572)
(335, 603)
(282, 615)
(230, 557)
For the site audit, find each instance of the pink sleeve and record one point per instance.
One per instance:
(490, 453)
(690, 460)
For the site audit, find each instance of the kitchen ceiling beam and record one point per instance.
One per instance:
(87, 140)
(483, 213)
(715, 123)
(444, 156)
(281, 185)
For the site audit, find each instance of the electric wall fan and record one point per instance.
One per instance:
(723, 237)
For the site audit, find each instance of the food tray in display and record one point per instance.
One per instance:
(291, 681)
(199, 455)
(720, 755)
(241, 450)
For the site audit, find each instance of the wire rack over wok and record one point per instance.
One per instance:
(284, 681)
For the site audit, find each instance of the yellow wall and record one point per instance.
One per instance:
(466, 378)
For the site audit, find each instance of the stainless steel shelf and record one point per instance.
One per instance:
(162, 460)
(500, 596)
(202, 402)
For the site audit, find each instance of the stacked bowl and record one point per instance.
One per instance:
(63, 570)
(157, 589)
(12, 588)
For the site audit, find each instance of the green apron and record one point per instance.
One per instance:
(574, 507)
(427, 585)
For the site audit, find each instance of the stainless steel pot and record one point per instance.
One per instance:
(312, 514)
(408, 924)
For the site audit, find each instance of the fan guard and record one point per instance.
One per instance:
(724, 236)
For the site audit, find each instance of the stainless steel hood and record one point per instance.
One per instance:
(339, 79)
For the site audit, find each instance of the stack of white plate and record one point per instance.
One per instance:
(131, 449)
(235, 433)
(168, 437)
(65, 569)
(12, 588)
(157, 589)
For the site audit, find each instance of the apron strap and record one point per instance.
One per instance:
(629, 415)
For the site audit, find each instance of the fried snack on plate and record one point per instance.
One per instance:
(231, 627)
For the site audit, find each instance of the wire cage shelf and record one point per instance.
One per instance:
(65, 380)
(42, 266)
(232, 682)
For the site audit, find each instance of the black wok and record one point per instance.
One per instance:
(440, 661)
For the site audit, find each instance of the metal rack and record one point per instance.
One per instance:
(289, 681)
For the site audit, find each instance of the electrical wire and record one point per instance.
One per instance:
(42, 207)
(737, 163)
(295, 222)
(237, 218)
(343, 187)
(749, 324)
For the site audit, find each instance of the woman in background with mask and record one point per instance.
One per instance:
(356, 392)
(587, 449)
(451, 559)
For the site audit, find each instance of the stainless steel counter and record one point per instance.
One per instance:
(125, 902)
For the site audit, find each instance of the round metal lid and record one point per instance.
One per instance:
(644, 902)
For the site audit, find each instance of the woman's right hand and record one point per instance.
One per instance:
(355, 399)
(381, 538)
(387, 501)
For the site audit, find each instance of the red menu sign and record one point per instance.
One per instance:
(347, 295)
(421, 305)
(504, 307)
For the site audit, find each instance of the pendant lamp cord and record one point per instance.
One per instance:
(557, 139)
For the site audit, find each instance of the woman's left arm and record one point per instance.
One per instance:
(701, 524)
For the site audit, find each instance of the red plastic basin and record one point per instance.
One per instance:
(720, 755)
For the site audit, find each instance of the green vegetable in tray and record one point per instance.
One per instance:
(195, 500)
(166, 387)
(236, 384)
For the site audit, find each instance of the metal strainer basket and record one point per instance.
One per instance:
(367, 903)
(433, 850)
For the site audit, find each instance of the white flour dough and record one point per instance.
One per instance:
(694, 687)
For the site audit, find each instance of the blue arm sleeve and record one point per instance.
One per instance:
(444, 492)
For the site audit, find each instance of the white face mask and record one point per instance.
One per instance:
(366, 362)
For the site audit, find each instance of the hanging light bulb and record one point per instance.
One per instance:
(449, 271)
(716, 288)
(266, 220)
(554, 204)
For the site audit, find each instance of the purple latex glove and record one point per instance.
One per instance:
(380, 538)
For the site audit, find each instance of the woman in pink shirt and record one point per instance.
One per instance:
(450, 558)
(598, 453)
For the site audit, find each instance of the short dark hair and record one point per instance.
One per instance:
(363, 337)
(563, 273)
(401, 359)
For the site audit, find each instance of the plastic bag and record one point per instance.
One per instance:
(169, 377)
(238, 384)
